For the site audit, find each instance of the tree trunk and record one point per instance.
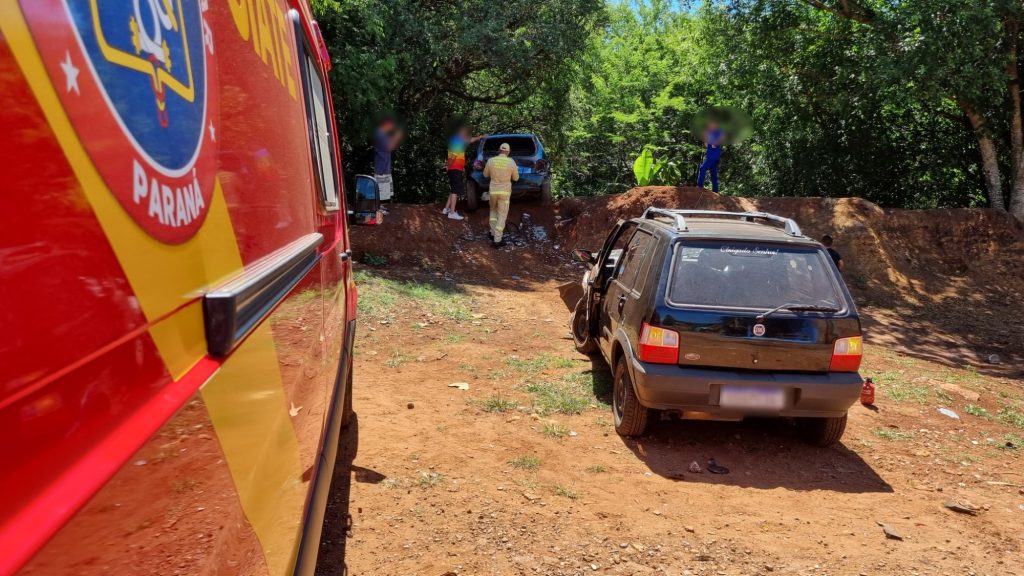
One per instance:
(1016, 202)
(989, 156)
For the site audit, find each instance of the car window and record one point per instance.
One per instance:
(320, 126)
(613, 260)
(751, 275)
(633, 258)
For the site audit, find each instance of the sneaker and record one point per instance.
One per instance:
(455, 216)
(485, 197)
(501, 244)
(445, 211)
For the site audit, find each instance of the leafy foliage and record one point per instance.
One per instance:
(905, 102)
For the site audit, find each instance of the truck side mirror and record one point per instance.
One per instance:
(583, 256)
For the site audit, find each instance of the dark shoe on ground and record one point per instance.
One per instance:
(501, 244)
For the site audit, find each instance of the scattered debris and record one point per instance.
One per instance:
(949, 413)
(961, 507)
(889, 531)
(714, 468)
(694, 467)
(459, 385)
(994, 359)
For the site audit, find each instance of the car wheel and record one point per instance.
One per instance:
(472, 196)
(630, 416)
(585, 344)
(346, 405)
(545, 192)
(821, 431)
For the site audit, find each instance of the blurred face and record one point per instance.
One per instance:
(463, 133)
(712, 125)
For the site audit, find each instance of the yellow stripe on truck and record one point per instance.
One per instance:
(245, 398)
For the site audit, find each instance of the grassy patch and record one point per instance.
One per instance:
(561, 362)
(1010, 416)
(379, 296)
(527, 462)
(529, 365)
(552, 397)
(892, 435)
(497, 404)
(566, 492)
(596, 469)
(497, 375)
(453, 338)
(597, 384)
(429, 479)
(975, 410)
(375, 260)
(898, 389)
(397, 359)
(554, 430)
(1011, 442)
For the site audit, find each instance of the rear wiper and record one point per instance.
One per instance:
(796, 308)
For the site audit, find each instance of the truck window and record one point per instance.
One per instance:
(321, 138)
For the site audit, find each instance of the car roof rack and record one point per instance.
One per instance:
(679, 216)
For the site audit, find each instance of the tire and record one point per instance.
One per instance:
(585, 344)
(821, 431)
(545, 192)
(346, 406)
(472, 196)
(629, 415)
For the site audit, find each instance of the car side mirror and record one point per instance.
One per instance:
(583, 256)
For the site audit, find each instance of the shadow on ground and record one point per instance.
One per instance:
(334, 538)
(759, 453)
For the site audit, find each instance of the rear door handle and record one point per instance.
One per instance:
(622, 302)
(347, 254)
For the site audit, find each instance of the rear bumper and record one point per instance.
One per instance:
(693, 389)
(527, 183)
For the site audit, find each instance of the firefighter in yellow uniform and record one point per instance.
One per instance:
(502, 171)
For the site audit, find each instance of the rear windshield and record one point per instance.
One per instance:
(750, 275)
(521, 146)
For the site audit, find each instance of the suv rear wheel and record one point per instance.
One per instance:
(821, 431)
(630, 416)
(585, 344)
(472, 196)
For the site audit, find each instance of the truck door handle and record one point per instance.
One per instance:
(345, 255)
(622, 302)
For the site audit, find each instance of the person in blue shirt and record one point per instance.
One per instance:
(713, 139)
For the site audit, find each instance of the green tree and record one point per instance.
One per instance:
(428, 61)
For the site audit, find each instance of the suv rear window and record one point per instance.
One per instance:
(521, 146)
(751, 275)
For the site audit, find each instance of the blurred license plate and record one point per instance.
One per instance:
(752, 398)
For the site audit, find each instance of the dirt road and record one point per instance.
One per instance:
(523, 473)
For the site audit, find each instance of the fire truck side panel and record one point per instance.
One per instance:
(146, 442)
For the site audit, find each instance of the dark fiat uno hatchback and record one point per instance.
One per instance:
(720, 316)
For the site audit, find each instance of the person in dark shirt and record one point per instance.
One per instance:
(385, 139)
(827, 241)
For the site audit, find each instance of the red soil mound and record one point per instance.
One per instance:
(946, 284)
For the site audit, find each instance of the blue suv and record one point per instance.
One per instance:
(534, 168)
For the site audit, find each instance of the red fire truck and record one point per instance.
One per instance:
(176, 292)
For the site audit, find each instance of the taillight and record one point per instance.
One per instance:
(846, 354)
(478, 165)
(658, 345)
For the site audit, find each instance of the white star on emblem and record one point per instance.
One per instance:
(213, 133)
(70, 74)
